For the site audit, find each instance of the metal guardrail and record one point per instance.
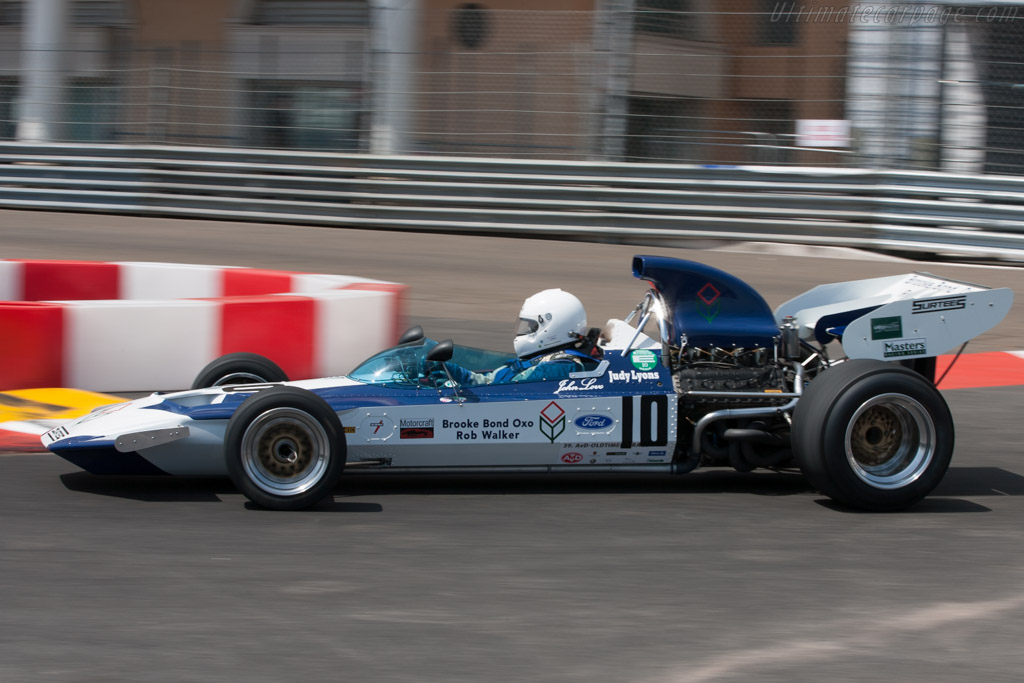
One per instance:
(964, 216)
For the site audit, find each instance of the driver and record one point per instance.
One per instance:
(548, 343)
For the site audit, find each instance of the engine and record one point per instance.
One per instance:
(724, 371)
(734, 397)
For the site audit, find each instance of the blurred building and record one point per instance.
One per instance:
(938, 86)
(634, 79)
(274, 73)
(704, 81)
(666, 80)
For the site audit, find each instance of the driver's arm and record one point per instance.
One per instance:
(548, 370)
(462, 376)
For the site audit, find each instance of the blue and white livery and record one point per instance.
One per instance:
(724, 382)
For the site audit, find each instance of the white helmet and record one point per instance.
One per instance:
(548, 319)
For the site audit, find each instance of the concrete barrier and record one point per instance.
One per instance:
(134, 326)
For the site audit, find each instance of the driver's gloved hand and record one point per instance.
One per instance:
(437, 376)
(460, 374)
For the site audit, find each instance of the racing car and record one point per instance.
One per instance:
(838, 381)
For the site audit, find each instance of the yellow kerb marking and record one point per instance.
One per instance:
(50, 404)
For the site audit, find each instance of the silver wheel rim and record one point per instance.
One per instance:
(890, 441)
(285, 451)
(239, 378)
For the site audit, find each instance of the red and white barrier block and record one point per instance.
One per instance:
(132, 326)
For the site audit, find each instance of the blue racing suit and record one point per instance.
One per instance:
(544, 367)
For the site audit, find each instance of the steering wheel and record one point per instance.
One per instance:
(408, 366)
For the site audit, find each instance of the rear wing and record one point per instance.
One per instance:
(902, 316)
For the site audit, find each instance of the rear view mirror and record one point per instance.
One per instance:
(442, 352)
(413, 334)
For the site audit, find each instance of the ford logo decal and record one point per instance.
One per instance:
(593, 421)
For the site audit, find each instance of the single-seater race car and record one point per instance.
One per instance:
(838, 381)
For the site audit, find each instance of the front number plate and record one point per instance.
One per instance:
(55, 434)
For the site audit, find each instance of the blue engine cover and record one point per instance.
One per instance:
(708, 305)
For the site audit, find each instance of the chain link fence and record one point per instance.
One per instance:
(883, 85)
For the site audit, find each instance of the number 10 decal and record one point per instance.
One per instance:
(653, 420)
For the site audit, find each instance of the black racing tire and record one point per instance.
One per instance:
(873, 435)
(285, 448)
(239, 368)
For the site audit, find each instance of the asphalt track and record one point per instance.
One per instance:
(714, 576)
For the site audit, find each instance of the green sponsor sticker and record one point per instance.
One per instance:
(887, 328)
(643, 359)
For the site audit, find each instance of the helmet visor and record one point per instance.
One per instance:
(525, 326)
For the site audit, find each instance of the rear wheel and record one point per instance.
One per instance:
(239, 368)
(873, 435)
(285, 448)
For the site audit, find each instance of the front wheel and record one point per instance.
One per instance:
(285, 448)
(873, 435)
(239, 368)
